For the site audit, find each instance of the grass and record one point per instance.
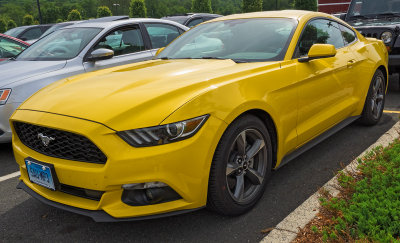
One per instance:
(368, 206)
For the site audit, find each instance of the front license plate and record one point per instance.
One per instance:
(40, 174)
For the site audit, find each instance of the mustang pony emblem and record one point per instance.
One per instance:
(45, 140)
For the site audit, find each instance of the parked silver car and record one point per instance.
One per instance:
(77, 49)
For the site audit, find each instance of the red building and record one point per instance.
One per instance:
(333, 6)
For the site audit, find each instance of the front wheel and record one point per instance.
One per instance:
(375, 102)
(241, 167)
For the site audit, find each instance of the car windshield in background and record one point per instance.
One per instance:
(178, 19)
(54, 28)
(15, 31)
(374, 8)
(242, 40)
(61, 45)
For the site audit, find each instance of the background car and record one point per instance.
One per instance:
(11, 47)
(54, 28)
(75, 49)
(191, 19)
(203, 124)
(29, 32)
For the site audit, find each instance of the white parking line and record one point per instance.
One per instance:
(9, 176)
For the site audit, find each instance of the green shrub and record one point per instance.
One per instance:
(310, 5)
(252, 6)
(74, 15)
(28, 20)
(3, 26)
(59, 21)
(137, 9)
(103, 11)
(11, 24)
(201, 6)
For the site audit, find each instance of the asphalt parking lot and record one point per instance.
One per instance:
(23, 218)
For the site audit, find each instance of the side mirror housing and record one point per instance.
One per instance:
(318, 51)
(100, 54)
(160, 50)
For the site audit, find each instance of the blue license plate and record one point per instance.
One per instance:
(40, 174)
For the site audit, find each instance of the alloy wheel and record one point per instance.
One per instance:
(377, 99)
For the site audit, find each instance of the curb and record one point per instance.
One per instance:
(287, 229)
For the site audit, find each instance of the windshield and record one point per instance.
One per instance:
(54, 28)
(373, 8)
(60, 45)
(242, 40)
(178, 19)
(15, 31)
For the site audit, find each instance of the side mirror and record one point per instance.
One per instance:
(160, 50)
(318, 51)
(100, 54)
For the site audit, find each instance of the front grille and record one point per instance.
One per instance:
(62, 144)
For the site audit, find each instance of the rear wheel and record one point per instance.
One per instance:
(241, 167)
(375, 102)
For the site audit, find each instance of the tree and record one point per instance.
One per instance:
(3, 25)
(137, 9)
(201, 6)
(103, 11)
(252, 6)
(74, 15)
(306, 5)
(11, 24)
(28, 20)
(59, 21)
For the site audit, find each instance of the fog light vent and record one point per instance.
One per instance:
(142, 194)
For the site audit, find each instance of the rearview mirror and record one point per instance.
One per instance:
(318, 51)
(160, 50)
(100, 54)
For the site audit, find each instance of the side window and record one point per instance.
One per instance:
(31, 34)
(161, 34)
(348, 35)
(123, 41)
(194, 22)
(319, 31)
(9, 48)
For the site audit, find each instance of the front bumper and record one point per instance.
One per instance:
(184, 166)
(5, 113)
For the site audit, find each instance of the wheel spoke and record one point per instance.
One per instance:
(377, 84)
(255, 148)
(373, 104)
(254, 177)
(375, 109)
(239, 189)
(379, 97)
(231, 168)
(241, 143)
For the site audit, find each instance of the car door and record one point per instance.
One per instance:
(325, 85)
(128, 45)
(161, 34)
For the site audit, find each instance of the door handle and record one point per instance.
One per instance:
(351, 63)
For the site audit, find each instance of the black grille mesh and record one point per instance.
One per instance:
(66, 145)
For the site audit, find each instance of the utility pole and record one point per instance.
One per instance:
(40, 13)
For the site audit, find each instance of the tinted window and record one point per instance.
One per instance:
(161, 34)
(31, 34)
(9, 48)
(178, 19)
(348, 35)
(15, 31)
(245, 40)
(319, 31)
(123, 41)
(63, 44)
(194, 22)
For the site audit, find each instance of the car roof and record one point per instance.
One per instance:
(193, 14)
(15, 39)
(110, 24)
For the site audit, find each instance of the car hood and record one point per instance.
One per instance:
(137, 95)
(13, 71)
(375, 23)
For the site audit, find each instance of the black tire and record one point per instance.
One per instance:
(224, 197)
(375, 101)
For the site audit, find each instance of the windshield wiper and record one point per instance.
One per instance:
(388, 14)
(220, 58)
(360, 17)
(12, 59)
(164, 58)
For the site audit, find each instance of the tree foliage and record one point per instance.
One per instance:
(306, 5)
(137, 9)
(252, 6)
(28, 20)
(59, 21)
(103, 11)
(11, 24)
(3, 25)
(201, 6)
(74, 15)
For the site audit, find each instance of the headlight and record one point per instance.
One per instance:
(4, 94)
(387, 37)
(152, 136)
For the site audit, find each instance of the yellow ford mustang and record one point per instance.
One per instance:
(204, 123)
